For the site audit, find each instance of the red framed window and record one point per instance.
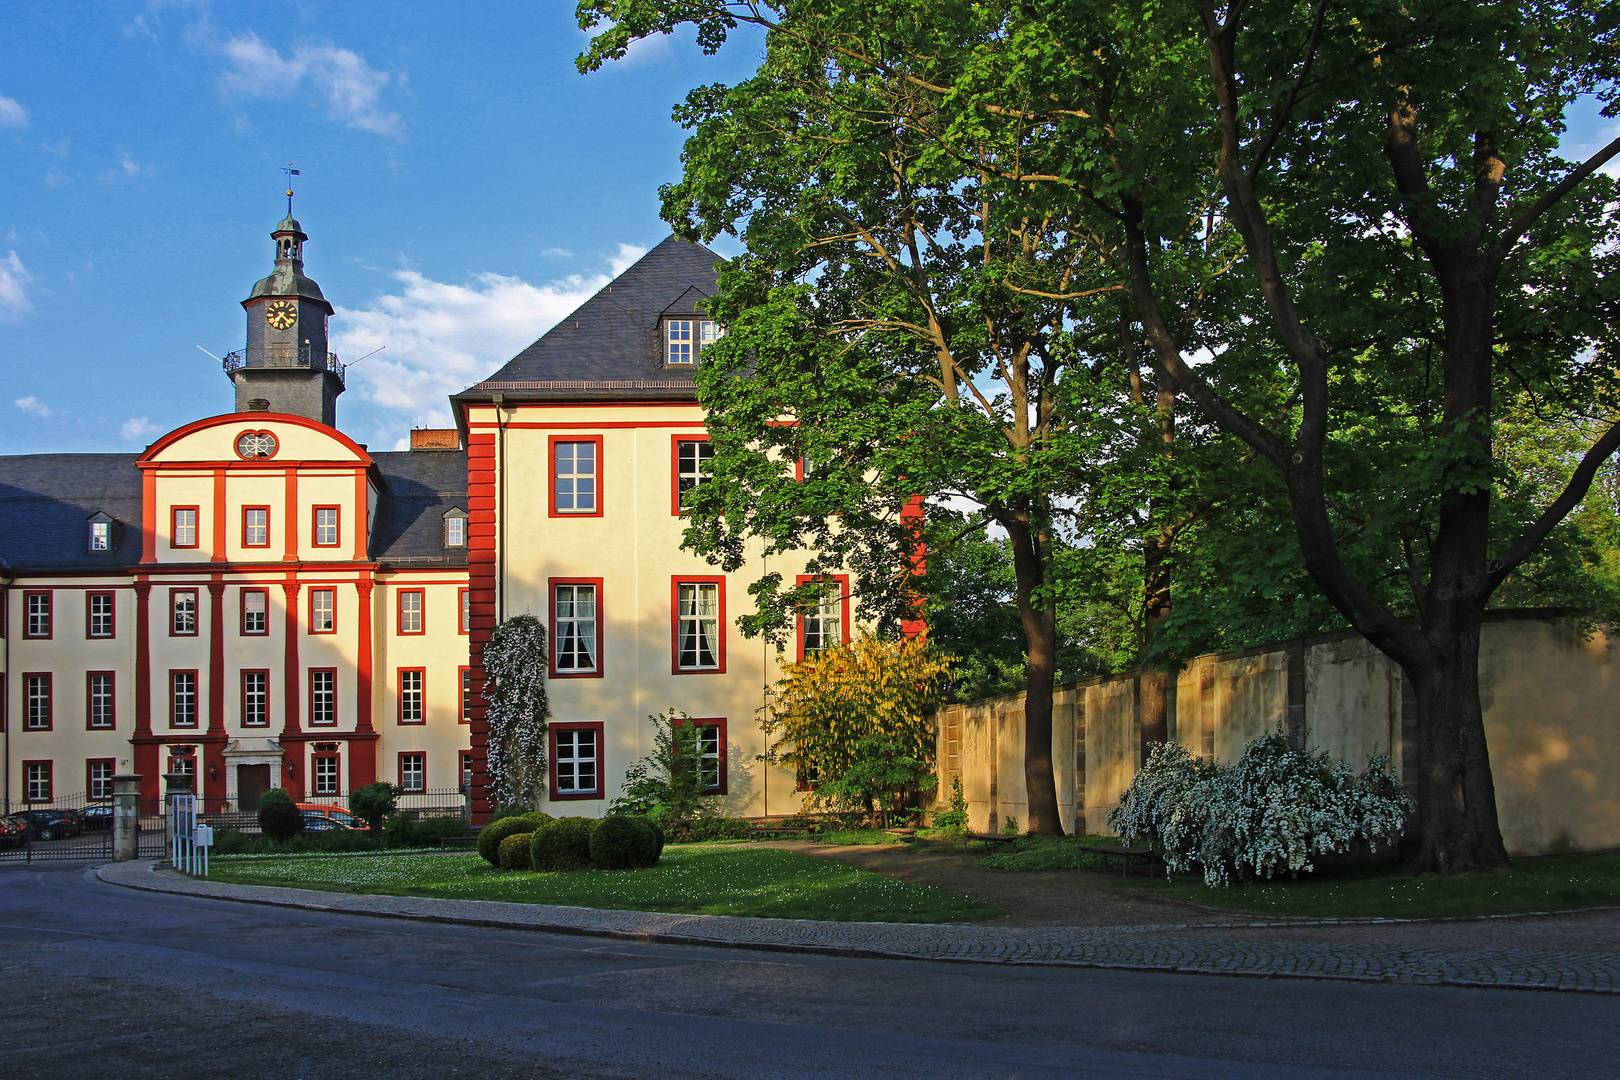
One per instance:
(182, 526)
(576, 761)
(576, 475)
(464, 602)
(411, 617)
(323, 697)
(576, 620)
(38, 783)
(255, 612)
(692, 459)
(323, 611)
(98, 778)
(823, 624)
(100, 615)
(465, 680)
(412, 695)
(255, 697)
(99, 701)
(711, 738)
(38, 701)
(413, 771)
(464, 768)
(256, 526)
(182, 612)
(37, 618)
(327, 526)
(698, 625)
(327, 770)
(183, 699)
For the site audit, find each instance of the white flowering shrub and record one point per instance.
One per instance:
(1269, 813)
(515, 663)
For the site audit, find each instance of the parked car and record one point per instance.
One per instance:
(50, 824)
(13, 833)
(322, 817)
(97, 816)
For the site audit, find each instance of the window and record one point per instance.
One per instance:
(256, 698)
(455, 529)
(576, 756)
(465, 761)
(182, 699)
(255, 526)
(323, 611)
(98, 701)
(98, 776)
(36, 701)
(37, 615)
(413, 772)
(326, 526)
(824, 622)
(685, 339)
(182, 612)
(322, 697)
(255, 612)
(412, 695)
(694, 464)
(699, 616)
(183, 760)
(37, 778)
(326, 774)
(576, 471)
(465, 596)
(711, 742)
(101, 536)
(410, 611)
(574, 615)
(183, 527)
(98, 615)
(466, 694)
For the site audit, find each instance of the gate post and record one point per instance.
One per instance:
(126, 817)
(174, 783)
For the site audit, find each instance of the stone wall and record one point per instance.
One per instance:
(1551, 696)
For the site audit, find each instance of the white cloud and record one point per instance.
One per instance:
(12, 114)
(352, 88)
(34, 405)
(138, 429)
(14, 282)
(626, 258)
(127, 163)
(561, 253)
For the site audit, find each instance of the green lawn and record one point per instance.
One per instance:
(696, 879)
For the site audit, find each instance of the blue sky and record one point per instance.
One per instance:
(463, 188)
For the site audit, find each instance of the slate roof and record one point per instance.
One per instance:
(611, 346)
(45, 505)
(418, 487)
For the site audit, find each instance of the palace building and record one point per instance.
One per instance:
(258, 600)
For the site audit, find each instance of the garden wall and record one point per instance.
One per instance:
(1551, 696)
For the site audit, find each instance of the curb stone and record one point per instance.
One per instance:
(1124, 948)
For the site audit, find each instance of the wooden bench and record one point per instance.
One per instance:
(1123, 854)
(458, 841)
(987, 838)
(901, 833)
(801, 831)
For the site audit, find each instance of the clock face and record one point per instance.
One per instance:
(256, 444)
(281, 313)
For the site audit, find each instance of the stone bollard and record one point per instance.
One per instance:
(126, 817)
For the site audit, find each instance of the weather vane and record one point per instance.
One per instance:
(291, 172)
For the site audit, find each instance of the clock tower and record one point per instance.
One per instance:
(286, 367)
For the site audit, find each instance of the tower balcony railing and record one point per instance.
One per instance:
(284, 356)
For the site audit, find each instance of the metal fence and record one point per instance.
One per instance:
(75, 826)
(243, 814)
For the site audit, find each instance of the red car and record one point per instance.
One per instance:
(12, 833)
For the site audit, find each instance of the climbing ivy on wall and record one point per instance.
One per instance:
(515, 662)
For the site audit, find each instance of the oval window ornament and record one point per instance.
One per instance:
(256, 444)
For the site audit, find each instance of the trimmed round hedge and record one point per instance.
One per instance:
(279, 816)
(514, 851)
(624, 841)
(491, 835)
(562, 844)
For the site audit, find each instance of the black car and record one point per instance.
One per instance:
(13, 833)
(96, 816)
(50, 824)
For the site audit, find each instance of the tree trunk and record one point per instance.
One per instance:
(1040, 643)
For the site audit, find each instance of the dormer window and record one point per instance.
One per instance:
(455, 528)
(685, 339)
(101, 532)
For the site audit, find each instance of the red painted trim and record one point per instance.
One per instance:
(551, 627)
(143, 672)
(675, 467)
(220, 539)
(174, 528)
(326, 755)
(148, 521)
(675, 583)
(551, 479)
(290, 497)
(843, 612)
(400, 770)
(332, 592)
(50, 701)
(267, 526)
(50, 615)
(601, 760)
(315, 528)
(464, 611)
(913, 512)
(362, 511)
(112, 701)
(481, 581)
(363, 590)
(216, 660)
(399, 612)
(311, 681)
(236, 440)
(533, 425)
(112, 615)
(196, 613)
(242, 678)
(196, 694)
(399, 695)
(50, 780)
(291, 696)
(236, 418)
(241, 626)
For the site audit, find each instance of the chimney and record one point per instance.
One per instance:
(435, 439)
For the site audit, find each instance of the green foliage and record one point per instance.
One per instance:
(625, 842)
(513, 853)
(406, 829)
(1009, 826)
(956, 817)
(515, 660)
(705, 830)
(510, 810)
(667, 785)
(279, 818)
(562, 844)
(373, 803)
(491, 835)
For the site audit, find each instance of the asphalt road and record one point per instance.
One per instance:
(105, 982)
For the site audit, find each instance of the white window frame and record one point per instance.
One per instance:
(574, 633)
(322, 611)
(825, 621)
(256, 701)
(686, 338)
(574, 477)
(99, 787)
(694, 613)
(255, 535)
(319, 696)
(183, 613)
(99, 701)
(101, 536)
(326, 774)
(694, 465)
(102, 622)
(412, 696)
(455, 531)
(263, 613)
(183, 702)
(570, 760)
(413, 772)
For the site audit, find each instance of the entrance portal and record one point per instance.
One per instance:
(251, 782)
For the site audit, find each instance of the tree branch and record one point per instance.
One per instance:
(1579, 483)
(1586, 168)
